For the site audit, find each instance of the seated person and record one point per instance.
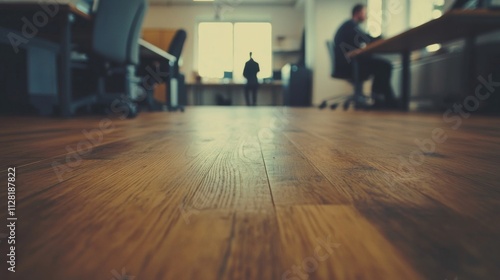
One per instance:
(350, 37)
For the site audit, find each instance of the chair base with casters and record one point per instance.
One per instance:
(124, 102)
(357, 98)
(359, 102)
(120, 100)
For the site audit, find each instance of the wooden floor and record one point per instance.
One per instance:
(259, 193)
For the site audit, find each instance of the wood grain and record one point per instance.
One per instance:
(334, 242)
(254, 193)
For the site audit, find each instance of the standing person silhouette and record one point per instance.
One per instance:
(250, 73)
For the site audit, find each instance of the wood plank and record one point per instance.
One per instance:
(438, 243)
(54, 218)
(293, 178)
(237, 180)
(234, 246)
(354, 175)
(445, 175)
(336, 242)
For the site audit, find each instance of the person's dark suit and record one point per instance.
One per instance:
(250, 73)
(350, 37)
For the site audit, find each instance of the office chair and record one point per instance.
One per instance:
(175, 78)
(115, 50)
(176, 46)
(357, 98)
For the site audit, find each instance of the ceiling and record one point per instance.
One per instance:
(228, 2)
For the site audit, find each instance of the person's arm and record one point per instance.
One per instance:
(365, 37)
(352, 35)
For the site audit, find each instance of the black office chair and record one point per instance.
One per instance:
(175, 49)
(175, 80)
(357, 98)
(115, 50)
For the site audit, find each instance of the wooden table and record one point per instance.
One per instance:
(199, 88)
(454, 25)
(153, 56)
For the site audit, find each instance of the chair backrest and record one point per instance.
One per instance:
(176, 47)
(177, 43)
(336, 71)
(331, 52)
(117, 26)
(133, 45)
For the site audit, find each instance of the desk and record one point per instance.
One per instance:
(198, 88)
(58, 28)
(465, 24)
(63, 22)
(151, 55)
(150, 51)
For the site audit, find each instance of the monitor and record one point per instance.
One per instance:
(228, 75)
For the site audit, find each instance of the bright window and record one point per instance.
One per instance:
(215, 51)
(375, 17)
(422, 11)
(225, 47)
